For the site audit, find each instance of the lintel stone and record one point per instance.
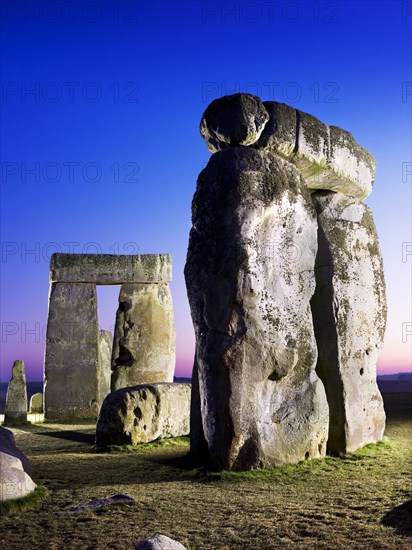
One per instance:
(110, 269)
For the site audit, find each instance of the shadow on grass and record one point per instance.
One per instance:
(400, 518)
(64, 435)
(70, 435)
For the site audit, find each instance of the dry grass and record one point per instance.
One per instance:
(357, 502)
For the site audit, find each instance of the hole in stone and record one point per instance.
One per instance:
(361, 371)
(125, 306)
(307, 455)
(144, 394)
(145, 427)
(135, 422)
(125, 357)
(274, 376)
(367, 352)
(320, 448)
(137, 413)
(284, 224)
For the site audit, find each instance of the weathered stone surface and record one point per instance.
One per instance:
(8, 446)
(327, 156)
(159, 542)
(144, 345)
(14, 481)
(144, 413)
(250, 276)
(36, 403)
(233, 120)
(71, 359)
(15, 411)
(349, 311)
(110, 269)
(104, 372)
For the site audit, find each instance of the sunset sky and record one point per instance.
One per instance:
(100, 143)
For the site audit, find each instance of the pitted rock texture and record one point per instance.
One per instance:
(349, 311)
(250, 277)
(233, 120)
(144, 413)
(110, 269)
(144, 345)
(327, 156)
(15, 411)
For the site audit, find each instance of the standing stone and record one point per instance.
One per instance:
(16, 399)
(250, 277)
(144, 346)
(104, 372)
(36, 403)
(71, 360)
(349, 312)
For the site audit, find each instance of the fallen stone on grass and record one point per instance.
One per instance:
(94, 503)
(14, 481)
(159, 542)
(144, 413)
(8, 446)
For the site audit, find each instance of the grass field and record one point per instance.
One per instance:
(362, 501)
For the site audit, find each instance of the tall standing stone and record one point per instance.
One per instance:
(16, 399)
(144, 345)
(349, 311)
(104, 372)
(71, 361)
(250, 277)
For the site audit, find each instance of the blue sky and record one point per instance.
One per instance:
(100, 147)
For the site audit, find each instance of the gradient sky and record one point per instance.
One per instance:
(100, 147)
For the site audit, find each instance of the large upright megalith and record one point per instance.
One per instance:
(250, 278)
(349, 312)
(15, 411)
(78, 355)
(250, 275)
(71, 362)
(144, 345)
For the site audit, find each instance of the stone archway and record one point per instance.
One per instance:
(144, 347)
